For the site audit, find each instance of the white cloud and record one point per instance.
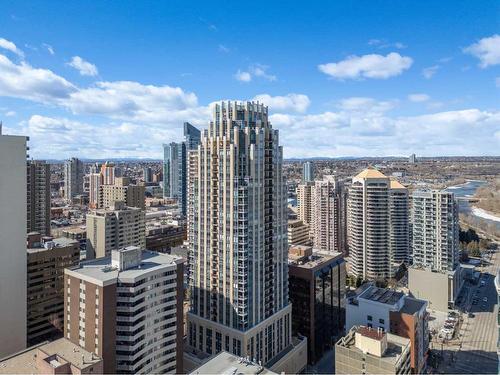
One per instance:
(364, 104)
(49, 48)
(256, 70)
(368, 66)
(487, 50)
(291, 102)
(243, 76)
(430, 71)
(382, 43)
(10, 113)
(223, 48)
(9, 46)
(418, 98)
(84, 67)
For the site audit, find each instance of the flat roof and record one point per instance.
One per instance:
(24, 362)
(413, 305)
(226, 363)
(382, 295)
(59, 242)
(101, 272)
(317, 258)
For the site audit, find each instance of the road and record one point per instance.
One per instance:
(476, 349)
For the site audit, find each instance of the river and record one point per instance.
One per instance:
(468, 190)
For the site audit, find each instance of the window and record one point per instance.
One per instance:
(369, 318)
(381, 321)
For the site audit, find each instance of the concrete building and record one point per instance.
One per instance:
(108, 173)
(238, 248)
(435, 274)
(122, 190)
(412, 159)
(147, 175)
(377, 225)
(12, 243)
(38, 198)
(57, 357)
(305, 193)
(394, 312)
(298, 233)
(162, 237)
(125, 308)
(114, 228)
(368, 351)
(73, 178)
(307, 172)
(47, 259)
(317, 294)
(326, 215)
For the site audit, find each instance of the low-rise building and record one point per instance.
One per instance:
(57, 357)
(393, 312)
(317, 292)
(366, 350)
(47, 258)
(227, 363)
(162, 237)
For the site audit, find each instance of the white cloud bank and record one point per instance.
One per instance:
(487, 50)
(368, 66)
(291, 102)
(10, 46)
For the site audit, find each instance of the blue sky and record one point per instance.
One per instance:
(366, 78)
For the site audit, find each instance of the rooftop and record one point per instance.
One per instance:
(317, 259)
(58, 243)
(396, 184)
(225, 363)
(371, 173)
(100, 271)
(24, 362)
(381, 295)
(413, 305)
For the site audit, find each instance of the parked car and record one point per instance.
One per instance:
(485, 299)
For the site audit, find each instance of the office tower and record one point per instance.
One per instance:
(171, 161)
(399, 223)
(391, 311)
(376, 225)
(38, 198)
(47, 259)
(176, 164)
(113, 228)
(12, 243)
(317, 293)
(57, 357)
(305, 193)
(326, 215)
(122, 190)
(435, 229)
(307, 172)
(146, 174)
(412, 159)
(238, 244)
(192, 136)
(298, 233)
(126, 308)
(364, 350)
(73, 178)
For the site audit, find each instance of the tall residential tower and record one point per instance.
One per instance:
(238, 237)
(73, 178)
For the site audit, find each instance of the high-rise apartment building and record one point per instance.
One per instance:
(122, 190)
(108, 173)
(12, 243)
(298, 233)
(176, 164)
(47, 259)
(38, 198)
(114, 228)
(377, 225)
(126, 308)
(326, 215)
(305, 193)
(147, 175)
(307, 172)
(238, 244)
(435, 229)
(73, 178)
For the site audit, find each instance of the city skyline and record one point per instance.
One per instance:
(358, 80)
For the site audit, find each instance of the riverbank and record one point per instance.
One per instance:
(479, 212)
